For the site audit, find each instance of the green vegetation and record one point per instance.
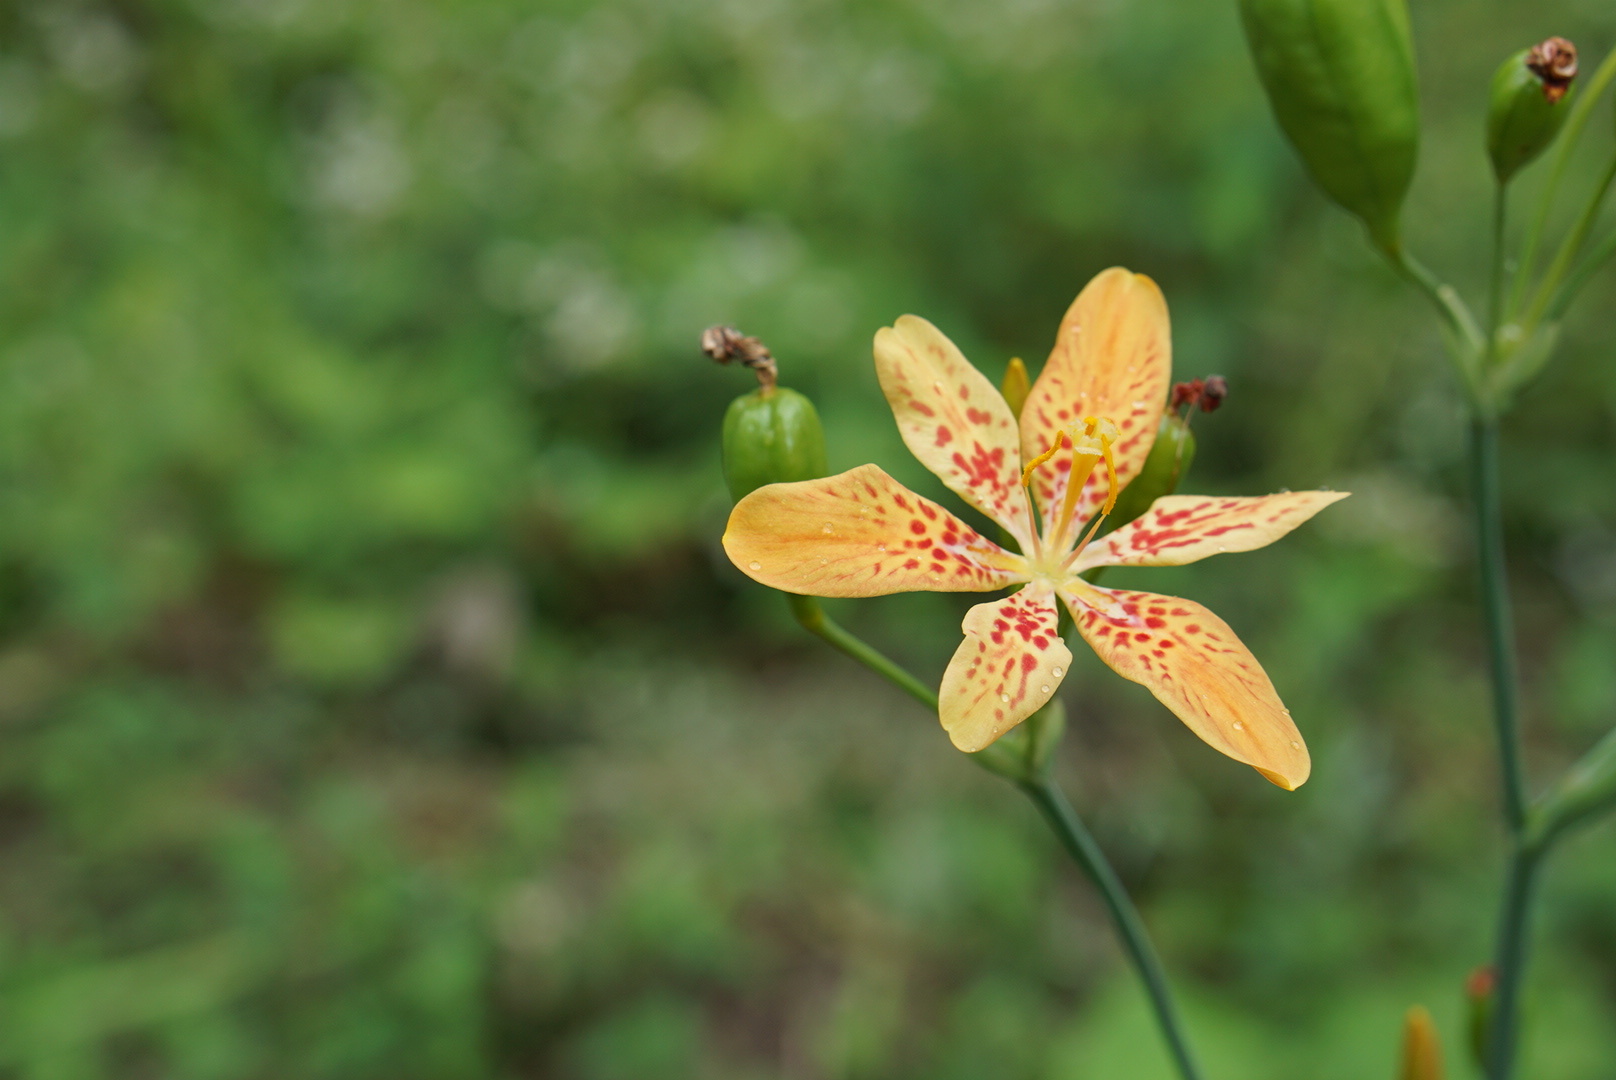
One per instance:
(376, 701)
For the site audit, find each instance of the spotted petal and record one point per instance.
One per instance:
(1113, 358)
(1006, 669)
(1197, 667)
(1179, 529)
(861, 534)
(954, 420)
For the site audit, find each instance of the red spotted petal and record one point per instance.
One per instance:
(1197, 667)
(1179, 529)
(954, 420)
(1006, 669)
(1113, 357)
(861, 534)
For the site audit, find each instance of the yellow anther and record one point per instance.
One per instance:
(1026, 474)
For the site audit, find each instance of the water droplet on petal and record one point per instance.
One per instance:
(1295, 745)
(1139, 404)
(1238, 726)
(754, 564)
(1056, 673)
(1222, 547)
(1043, 689)
(880, 547)
(1005, 698)
(828, 530)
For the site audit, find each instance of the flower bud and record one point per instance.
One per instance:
(1528, 105)
(1016, 385)
(1166, 465)
(1422, 1047)
(1023, 753)
(1479, 988)
(1340, 77)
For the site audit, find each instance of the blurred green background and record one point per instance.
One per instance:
(375, 699)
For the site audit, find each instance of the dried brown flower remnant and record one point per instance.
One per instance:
(726, 344)
(1555, 62)
(1206, 394)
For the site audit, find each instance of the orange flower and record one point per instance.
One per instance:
(1084, 432)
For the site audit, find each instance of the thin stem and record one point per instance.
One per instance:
(1058, 812)
(1571, 246)
(1581, 110)
(1052, 803)
(813, 619)
(1510, 962)
(1500, 623)
(1464, 336)
(1495, 287)
(1580, 277)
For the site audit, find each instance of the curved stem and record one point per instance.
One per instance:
(1581, 109)
(1510, 961)
(1464, 336)
(1058, 812)
(1499, 618)
(813, 619)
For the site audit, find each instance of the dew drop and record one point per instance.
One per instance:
(1221, 547)
(754, 564)
(880, 547)
(1295, 745)
(828, 530)
(1005, 698)
(937, 386)
(823, 560)
(1139, 404)
(1056, 673)
(1238, 726)
(1043, 689)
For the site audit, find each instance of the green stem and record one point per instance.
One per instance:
(1570, 246)
(1464, 336)
(1495, 285)
(1058, 812)
(1499, 620)
(1581, 109)
(1580, 277)
(1510, 961)
(813, 619)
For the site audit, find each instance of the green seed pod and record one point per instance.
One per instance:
(1528, 104)
(1166, 465)
(1340, 77)
(771, 436)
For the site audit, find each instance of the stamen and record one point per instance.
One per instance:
(1026, 474)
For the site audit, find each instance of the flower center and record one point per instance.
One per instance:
(1091, 444)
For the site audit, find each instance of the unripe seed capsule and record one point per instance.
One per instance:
(1340, 77)
(1528, 104)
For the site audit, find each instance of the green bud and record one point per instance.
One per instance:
(771, 436)
(1340, 77)
(1479, 991)
(1528, 104)
(1166, 465)
(1016, 386)
(1023, 753)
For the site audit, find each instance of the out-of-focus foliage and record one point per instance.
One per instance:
(375, 700)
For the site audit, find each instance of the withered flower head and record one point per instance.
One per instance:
(1555, 62)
